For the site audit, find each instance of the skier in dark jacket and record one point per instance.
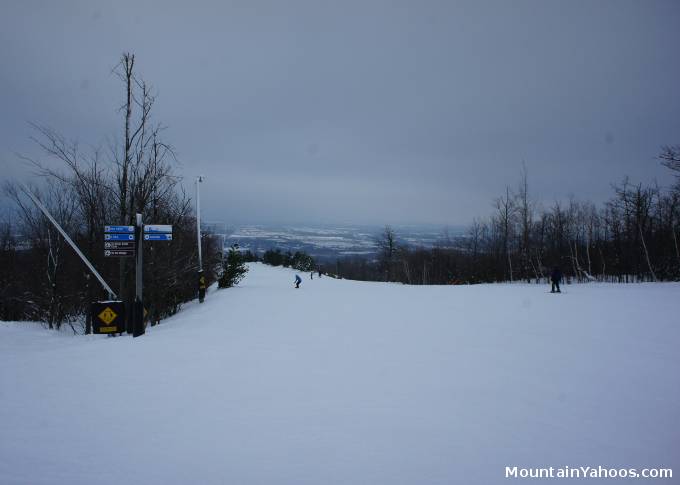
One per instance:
(298, 280)
(556, 277)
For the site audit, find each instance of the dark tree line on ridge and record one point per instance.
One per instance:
(298, 260)
(632, 237)
(41, 278)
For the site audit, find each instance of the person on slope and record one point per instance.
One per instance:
(298, 280)
(555, 278)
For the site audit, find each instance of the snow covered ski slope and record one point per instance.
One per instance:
(344, 382)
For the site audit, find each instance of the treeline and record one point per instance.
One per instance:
(274, 257)
(632, 237)
(43, 279)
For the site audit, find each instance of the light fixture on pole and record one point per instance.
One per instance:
(201, 277)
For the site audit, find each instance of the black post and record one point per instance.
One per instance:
(138, 319)
(138, 311)
(201, 286)
(129, 315)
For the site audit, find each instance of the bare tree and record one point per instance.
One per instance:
(670, 156)
(137, 177)
(525, 212)
(636, 204)
(505, 213)
(48, 242)
(387, 243)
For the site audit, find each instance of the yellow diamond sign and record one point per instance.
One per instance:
(107, 315)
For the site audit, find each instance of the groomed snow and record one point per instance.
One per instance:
(344, 382)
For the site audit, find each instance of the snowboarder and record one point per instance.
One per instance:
(555, 278)
(298, 280)
(319, 272)
(311, 275)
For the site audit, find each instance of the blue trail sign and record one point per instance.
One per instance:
(157, 228)
(119, 237)
(158, 237)
(124, 229)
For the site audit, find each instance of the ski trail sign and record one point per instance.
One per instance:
(158, 237)
(120, 229)
(119, 241)
(158, 228)
(158, 232)
(119, 237)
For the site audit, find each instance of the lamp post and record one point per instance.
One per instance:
(201, 277)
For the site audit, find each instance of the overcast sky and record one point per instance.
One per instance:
(363, 112)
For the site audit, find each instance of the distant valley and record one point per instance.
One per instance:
(329, 242)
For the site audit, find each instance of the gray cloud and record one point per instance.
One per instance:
(365, 112)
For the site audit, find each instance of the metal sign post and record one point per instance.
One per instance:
(138, 307)
(149, 232)
(128, 241)
(140, 254)
(201, 277)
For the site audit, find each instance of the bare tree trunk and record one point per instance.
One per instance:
(407, 271)
(506, 210)
(526, 221)
(574, 262)
(533, 267)
(127, 62)
(644, 246)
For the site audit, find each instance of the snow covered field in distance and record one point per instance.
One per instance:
(330, 242)
(344, 382)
